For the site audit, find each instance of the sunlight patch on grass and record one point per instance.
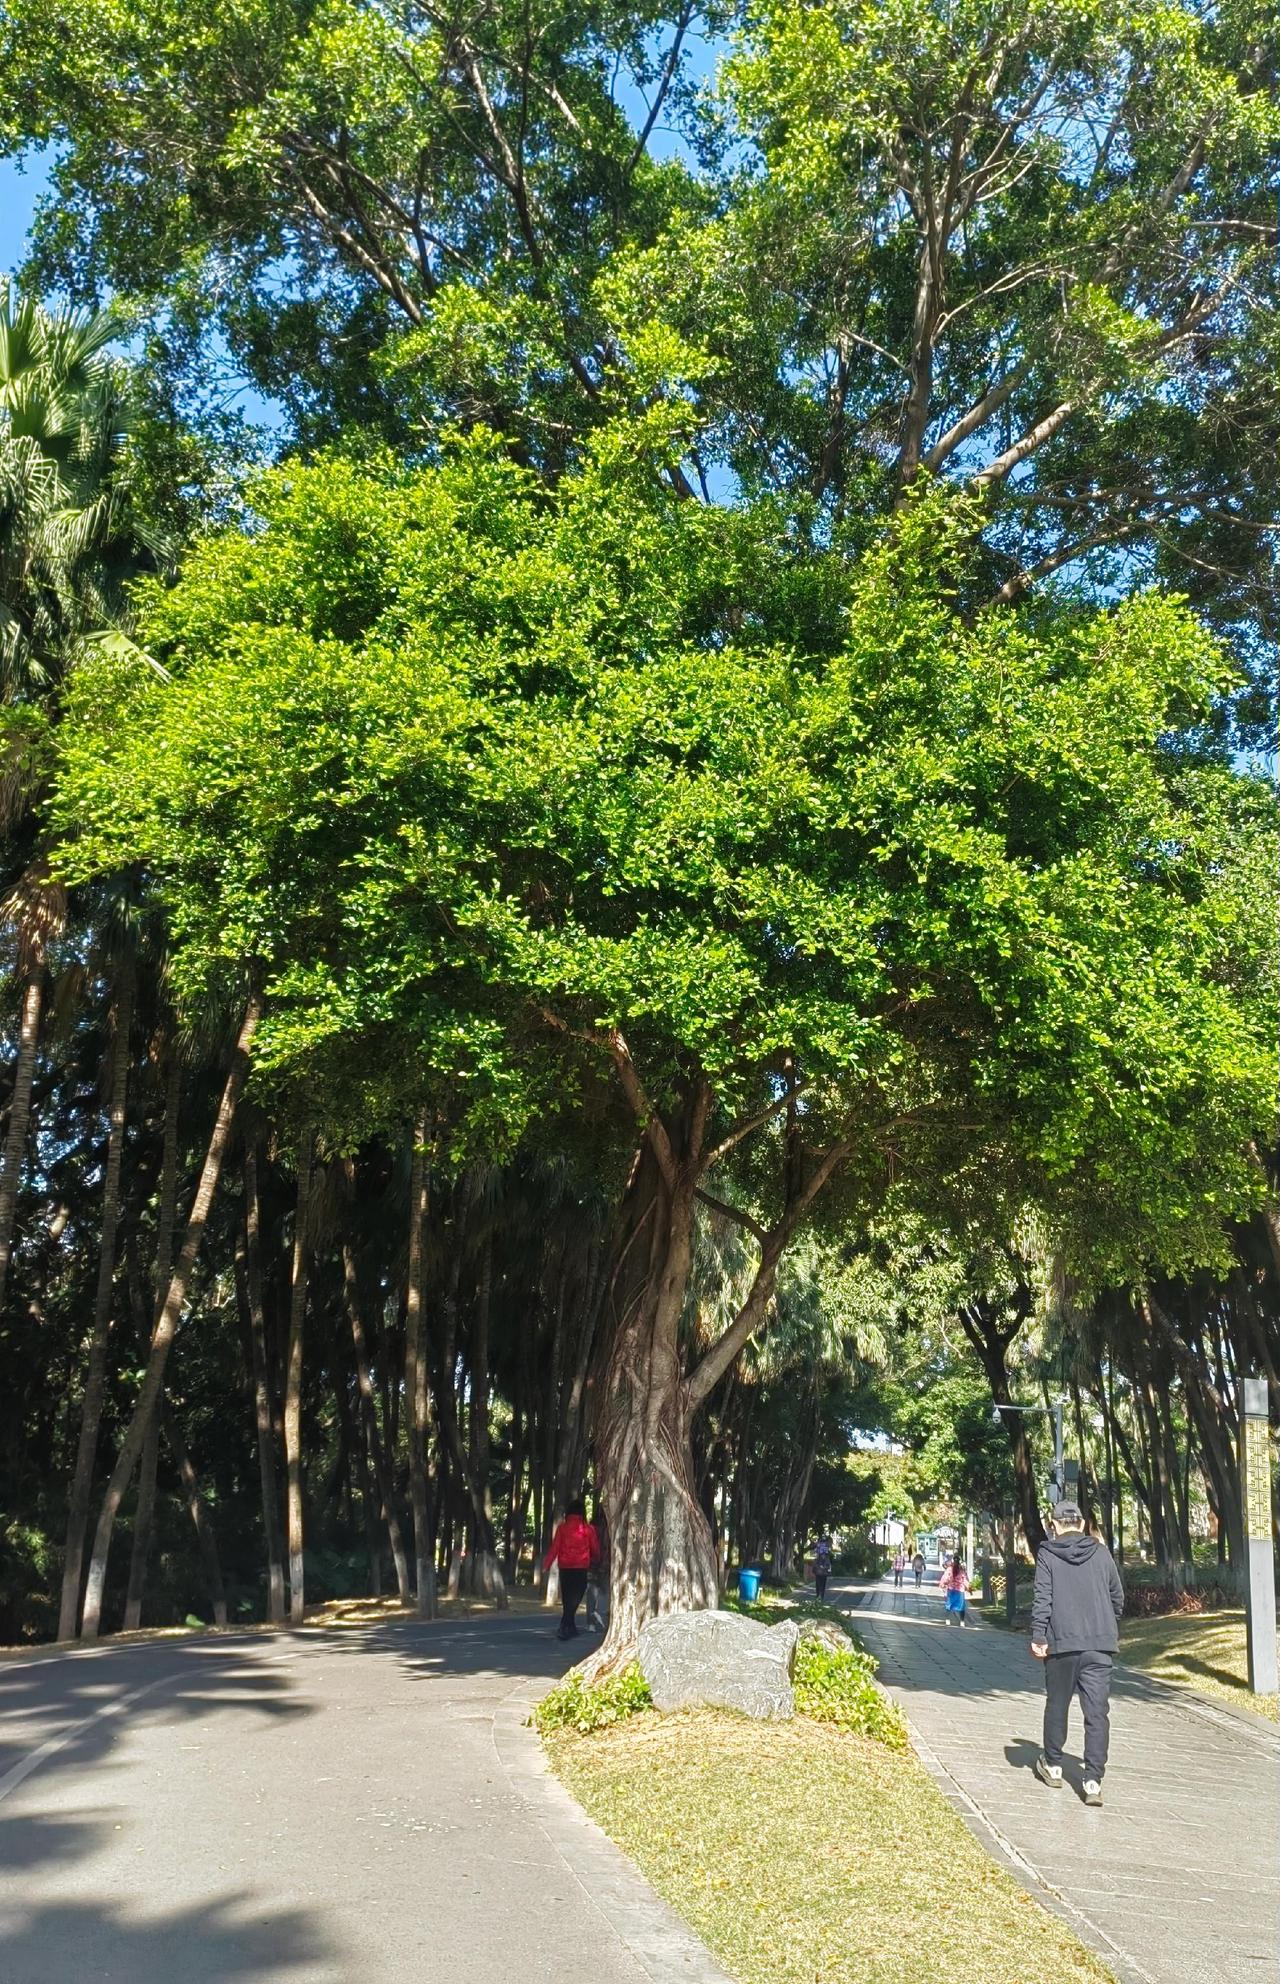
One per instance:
(802, 1855)
(1201, 1650)
(340, 1612)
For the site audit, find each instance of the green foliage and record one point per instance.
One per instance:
(972, 236)
(69, 535)
(29, 1562)
(838, 1685)
(571, 1705)
(472, 776)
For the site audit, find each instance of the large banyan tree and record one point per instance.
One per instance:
(514, 809)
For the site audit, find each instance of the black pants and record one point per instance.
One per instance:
(919, 1579)
(1089, 1676)
(820, 1582)
(573, 1585)
(897, 1576)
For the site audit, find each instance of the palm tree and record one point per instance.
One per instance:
(69, 542)
(68, 539)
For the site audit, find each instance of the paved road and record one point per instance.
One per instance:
(354, 1807)
(1177, 1879)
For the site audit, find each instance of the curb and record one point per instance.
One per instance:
(1256, 1730)
(663, 1948)
(984, 1828)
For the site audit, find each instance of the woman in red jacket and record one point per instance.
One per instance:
(576, 1548)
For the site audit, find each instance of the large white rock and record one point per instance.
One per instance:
(719, 1660)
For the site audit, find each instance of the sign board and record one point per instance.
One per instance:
(1257, 1479)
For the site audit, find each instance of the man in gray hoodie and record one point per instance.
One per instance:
(1074, 1618)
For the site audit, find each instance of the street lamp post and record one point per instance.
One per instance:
(1055, 1410)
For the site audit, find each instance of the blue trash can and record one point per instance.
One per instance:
(748, 1586)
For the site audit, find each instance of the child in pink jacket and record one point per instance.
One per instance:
(954, 1585)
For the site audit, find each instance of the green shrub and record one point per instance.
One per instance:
(838, 1685)
(571, 1706)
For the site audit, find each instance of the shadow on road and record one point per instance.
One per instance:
(39, 1839)
(515, 1646)
(76, 1942)
(71, 1702)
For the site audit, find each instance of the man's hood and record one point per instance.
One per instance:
(1072, 1548)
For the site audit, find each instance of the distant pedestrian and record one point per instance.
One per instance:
(576, 1548)
(954, 1584)
(917, 1565)
(823, 1551)
(1075, 1616)
(899, 1566)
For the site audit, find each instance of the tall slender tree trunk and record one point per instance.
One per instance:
(293, 1380)
(95, 1383)
(1109, 1462)
(250, 1277)
(369, 1418)
(200, 1516)
(167, 1322)
(24, 1074)
(992, 1343)
(145, 1510)
(487, 1580)
(415, 1378)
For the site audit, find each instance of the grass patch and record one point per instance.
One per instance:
(1203, 1650)
(805, 1855)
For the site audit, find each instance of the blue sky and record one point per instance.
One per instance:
(19, 191)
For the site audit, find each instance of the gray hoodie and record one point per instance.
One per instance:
(1079, 1597)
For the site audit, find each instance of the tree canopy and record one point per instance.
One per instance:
(670, 868)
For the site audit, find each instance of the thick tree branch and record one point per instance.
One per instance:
(1002, 467)
(664, 84)
(977, 416)
(707, 1374)
(1014, 588)
(736, 1214)
(746, 1128)
(645, 1114)
(386, 280)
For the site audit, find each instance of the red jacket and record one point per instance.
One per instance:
(575, 1546)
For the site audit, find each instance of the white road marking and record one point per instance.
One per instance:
(21, 1771)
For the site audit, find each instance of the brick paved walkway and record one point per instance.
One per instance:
(1177, 1879)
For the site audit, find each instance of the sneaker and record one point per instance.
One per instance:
(1092, 1791)
(1050, 1774)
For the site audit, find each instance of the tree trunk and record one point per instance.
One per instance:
(144, 1512)
(369, 1419)
(370, 1506)
(991, 1344)
(662, 1551)
(144, 1523)
(15, 1147)
(95, 1383)
(487, 1580)
(205, 1537)
(293, 1381)
(167, 1321)
(249, 1278)
(415, 1378)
